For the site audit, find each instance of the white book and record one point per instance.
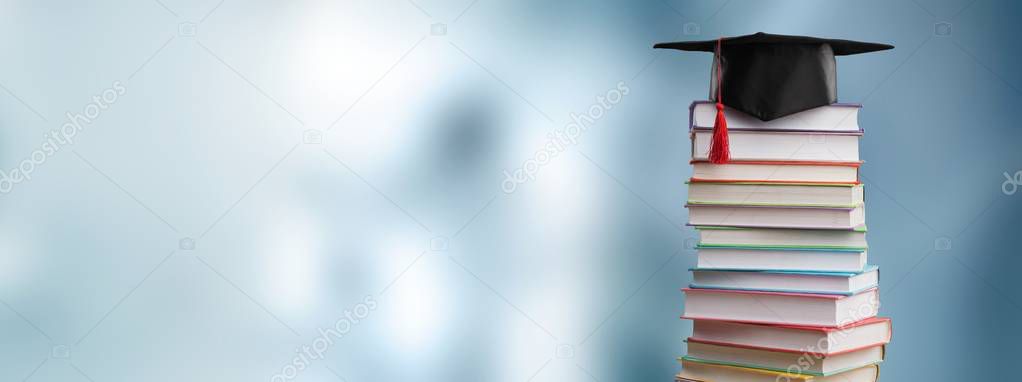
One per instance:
(780, 308)
(858, 335)
(706, 372)
(781, 259)
(840, 283)
(836, 117)
(831, 172)
(776, 217)
(784, 361)
(780, 237)
(751, 193)
(781, 146)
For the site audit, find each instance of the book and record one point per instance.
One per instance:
(839, 283)
(777, 171)
(796, 362)
(776, 216)
(775, 194)
(838, 117)
(780, 307)
(814, 340)
(782, 146)
(710, 236)
(705, 372)
(794, 259)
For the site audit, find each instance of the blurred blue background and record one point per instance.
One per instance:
(269, 165)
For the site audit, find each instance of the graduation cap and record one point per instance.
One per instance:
(770, 76)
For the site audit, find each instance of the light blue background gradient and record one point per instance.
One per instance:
(402, 200)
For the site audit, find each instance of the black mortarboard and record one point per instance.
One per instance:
(770, 76)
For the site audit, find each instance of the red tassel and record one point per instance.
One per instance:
(720, 150)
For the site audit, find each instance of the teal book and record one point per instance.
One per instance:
(836, 283)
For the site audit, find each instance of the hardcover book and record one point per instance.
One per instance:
(809, 339)
(780, 308)
(783, 361)
(731, 215)
(837, 117)
(792, 259)
(787, 171)
(706, 372)
(718, 236)
(839, 283)
(782, 146)
(775, 194)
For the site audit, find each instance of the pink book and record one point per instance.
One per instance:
(780, 308)
(817, 341)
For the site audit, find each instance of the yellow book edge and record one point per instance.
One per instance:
(788, 377)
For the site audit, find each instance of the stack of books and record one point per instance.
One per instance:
(782, 289)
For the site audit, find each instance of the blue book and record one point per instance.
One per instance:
(834, 283)
(781, 258)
